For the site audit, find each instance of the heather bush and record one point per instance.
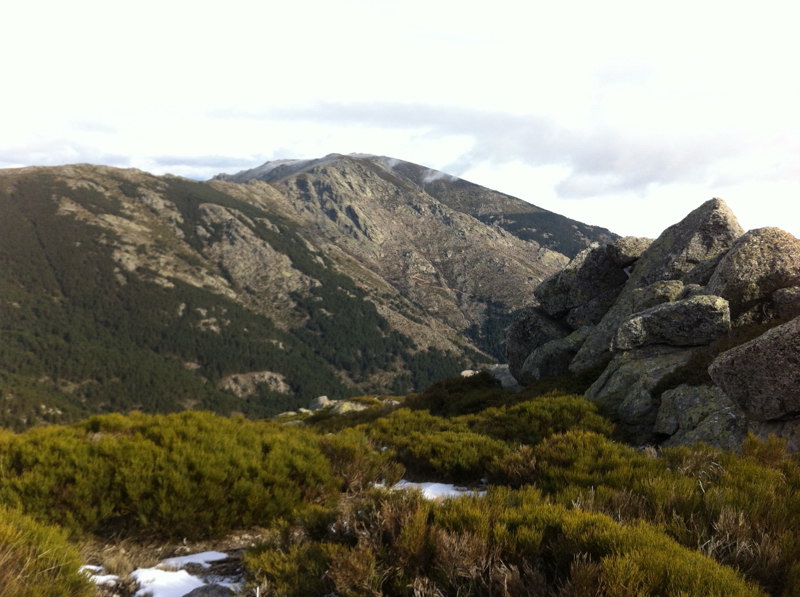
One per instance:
(185, 475)
(37, 561)
(532, 421)
(436, 447)
(504, 543)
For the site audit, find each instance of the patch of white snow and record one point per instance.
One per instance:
(435, 491)
(95, 574)
(154, 582)
(202, 559)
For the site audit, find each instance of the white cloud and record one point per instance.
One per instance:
(612, 110)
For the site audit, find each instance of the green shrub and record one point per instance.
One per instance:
(436, 447)
(461, 395)
(37, 561)
(356, 461)
(185, 475)
(504, 543)
(294, 570)
(532, 421)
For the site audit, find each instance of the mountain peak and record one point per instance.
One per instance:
(520, 218)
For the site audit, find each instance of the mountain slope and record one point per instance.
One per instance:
(520, 218)
(120, 290)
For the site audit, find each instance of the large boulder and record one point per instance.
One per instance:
(759, 263)
(663, 291)
(530, 329)
(693, 414)
(626, 250)
(552, 359)
(763, 376)
(591, 272)
(587, 287)
(625, 390)
(691, 322)
(706, 232)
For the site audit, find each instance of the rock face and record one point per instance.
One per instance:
(759, 263)
(531, 328)
(626, 388)
(552, 359)
(691, 322)
(763, 375)
(705, 233)
(692, 414)
(653, 316)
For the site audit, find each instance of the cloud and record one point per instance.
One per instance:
(600, 161)
(58, 152)
(205, 161)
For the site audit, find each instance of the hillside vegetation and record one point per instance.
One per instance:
(567, 510)
(121, 290)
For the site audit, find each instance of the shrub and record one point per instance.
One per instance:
(185, 475)
(433, 446)
(37, 561)
(532, 421)
(461, 395)
(357, 463)
(294, 570)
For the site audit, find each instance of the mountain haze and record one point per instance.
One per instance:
(339, 276)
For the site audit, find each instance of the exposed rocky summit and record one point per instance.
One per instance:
(655, 314)
(705, 233)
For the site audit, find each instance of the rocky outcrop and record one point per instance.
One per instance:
(787, 302)
(691, 322)
(763, 376)
(692, 414)
(590, 274)
(247, 384)
(552, 359)
(584, 290)
(530, 329)
(625, 390)
(706, 232)
(658, 313)
(759, 263)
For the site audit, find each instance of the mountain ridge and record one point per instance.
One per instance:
(126, 290)
(521, 218)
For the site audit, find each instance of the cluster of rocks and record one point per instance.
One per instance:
(635, 315)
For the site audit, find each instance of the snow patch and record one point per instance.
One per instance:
(436, 491)
(203, 559)
(166, 579)
(96, 575)
(154, 582)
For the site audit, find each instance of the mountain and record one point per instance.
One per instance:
(520, 218)
(122, 290)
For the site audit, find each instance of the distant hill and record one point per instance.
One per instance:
(122, 290)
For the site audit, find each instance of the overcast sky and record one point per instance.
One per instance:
(622, 114)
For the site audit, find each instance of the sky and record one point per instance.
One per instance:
(623, 114)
